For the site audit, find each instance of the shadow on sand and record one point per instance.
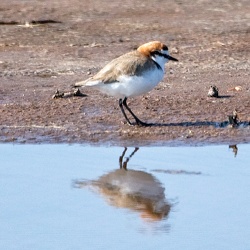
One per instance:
(223, 124)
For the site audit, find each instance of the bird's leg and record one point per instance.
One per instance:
(125, 163)
(122, 109)
(137, 120)
(121, 157)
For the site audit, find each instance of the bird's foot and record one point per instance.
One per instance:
(143, 124)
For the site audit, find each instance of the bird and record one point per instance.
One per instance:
(132, 74)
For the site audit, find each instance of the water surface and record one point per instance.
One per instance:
(80, 197)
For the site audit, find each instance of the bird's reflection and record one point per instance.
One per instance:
(131, 189)
(235, 149)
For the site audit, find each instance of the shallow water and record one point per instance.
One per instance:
(78, 197)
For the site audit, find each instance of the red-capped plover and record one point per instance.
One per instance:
(132, 74)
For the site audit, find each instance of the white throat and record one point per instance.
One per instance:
(160, 60)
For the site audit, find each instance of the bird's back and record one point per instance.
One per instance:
(130, 64)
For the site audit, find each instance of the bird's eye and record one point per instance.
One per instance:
(156, 52)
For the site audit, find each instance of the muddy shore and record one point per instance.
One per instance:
(47, 46)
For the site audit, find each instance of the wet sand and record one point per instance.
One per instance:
(64, 42)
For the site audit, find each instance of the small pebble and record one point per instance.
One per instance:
(213, 91)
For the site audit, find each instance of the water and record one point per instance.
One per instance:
(77, 197)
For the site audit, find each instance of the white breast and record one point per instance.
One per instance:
(129, 86)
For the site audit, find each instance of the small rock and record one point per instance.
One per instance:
(233, 119)
(57, 95)
(75, 92)
(236, 88)
(213, 92)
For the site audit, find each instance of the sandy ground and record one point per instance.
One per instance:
(49, 45)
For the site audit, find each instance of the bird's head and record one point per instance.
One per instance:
(157, 51)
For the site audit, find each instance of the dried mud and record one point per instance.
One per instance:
(49, 45)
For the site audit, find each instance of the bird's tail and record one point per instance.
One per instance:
(79, 84)
(89, 82)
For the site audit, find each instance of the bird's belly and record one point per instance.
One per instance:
(129, 86)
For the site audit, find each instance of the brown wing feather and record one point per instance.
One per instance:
(132, 63)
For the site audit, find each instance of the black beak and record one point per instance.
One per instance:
(171, 58)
